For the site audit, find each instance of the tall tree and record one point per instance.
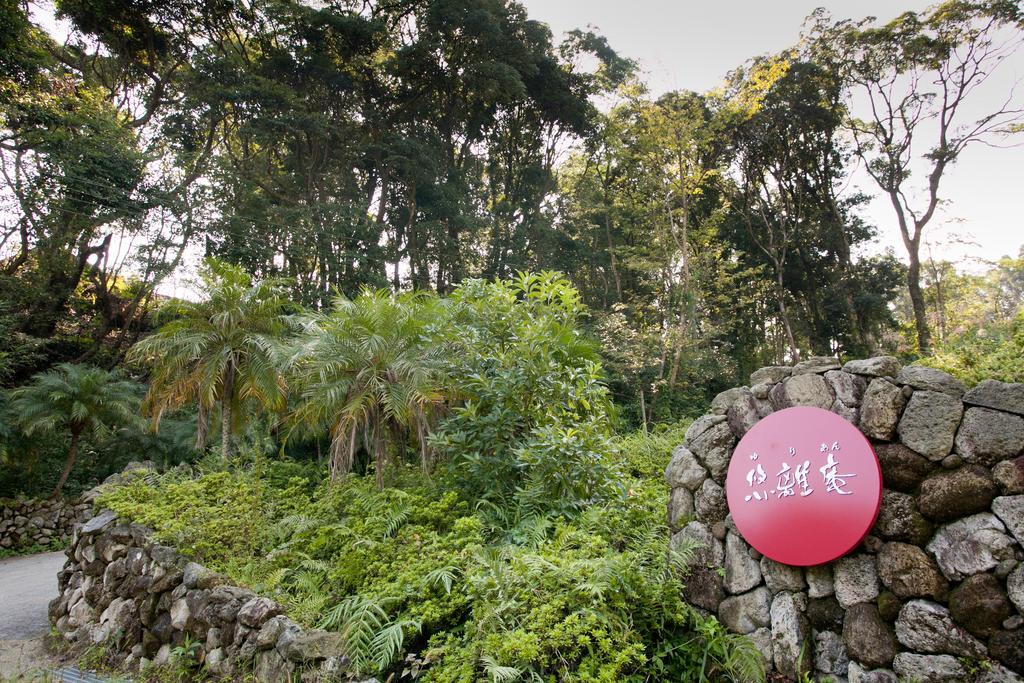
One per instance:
(77, 399)
(220, 351)
(920, 75)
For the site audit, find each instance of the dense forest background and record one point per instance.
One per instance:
(415, 145)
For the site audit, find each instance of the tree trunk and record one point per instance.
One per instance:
(924, 337)
(69, 462)
(225, 410)
(784, 314)
(202, 426)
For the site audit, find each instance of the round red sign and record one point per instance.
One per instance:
(804, 486)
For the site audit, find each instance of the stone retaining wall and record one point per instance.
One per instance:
(25, 522)
(936, 590)
(143, 599)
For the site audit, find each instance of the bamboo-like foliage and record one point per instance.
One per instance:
(78, 399)
(221, 351)
(368, 372)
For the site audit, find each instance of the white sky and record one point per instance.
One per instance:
(692, 45)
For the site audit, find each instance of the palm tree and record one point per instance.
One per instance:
(220, 351)
(79, 399)
(367, 372)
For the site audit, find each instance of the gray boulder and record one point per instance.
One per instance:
(747, 612)
(721, 402)
(710, 503)
(879, 366)
(971, 545)
(856, 580)
(680, 508)
(829, 654)
(1009, 475)
(880, 409)
(1010, 510)
(949, 494)
(990, 393)
(1015, 587)
(712, 443)
(816, 365)
(781, 577)
(868, 639)
(803, 390)
(902, 469)
(684, 470)
(927, 627)
(742, 572)
(980, 605)
(900, 520)
(930, 379)
(819, 581)
(988, 436)
(849, 389)
(772, 374)
(929, 668)
(909, 573)
(929, 423)
(791, 633)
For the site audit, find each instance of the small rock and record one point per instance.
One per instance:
(945, 496)
(909, 573)
(952, 461)
(998, 395)
(97, 523)
(930, 379)
(929, 423)
(931, 668)
(1010, 510)
(879, 366)
(989, 436)
(925, 626)
(880, 409)
(868, 639)
(856, 580)
(902, 469)
(980, 605)
(747, 612)
(970, 545)
(180, 615)
(1013, 623)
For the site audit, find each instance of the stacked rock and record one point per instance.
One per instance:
(25, 522)
(937, 583)
(143, 599)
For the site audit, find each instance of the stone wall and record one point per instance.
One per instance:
(26, 522)
(936, 590)
(143, 599)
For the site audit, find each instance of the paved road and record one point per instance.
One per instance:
(27, 584)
